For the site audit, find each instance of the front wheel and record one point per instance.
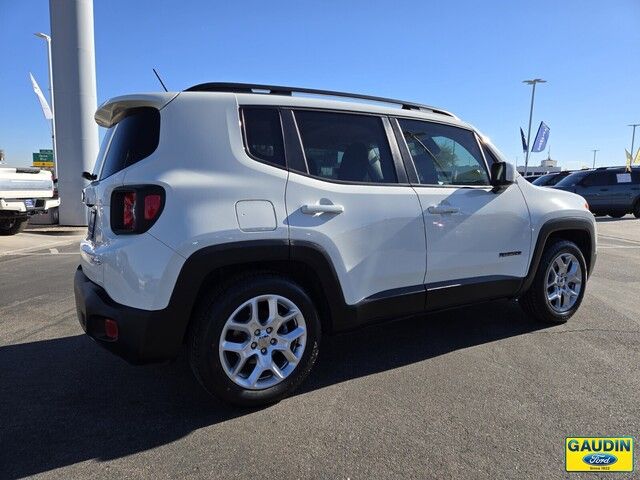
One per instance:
(559, 284)
(254, 342)
(636, 209)
(617, 214)
(12, 226)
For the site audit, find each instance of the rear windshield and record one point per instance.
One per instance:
(130, 140)
(573, 179)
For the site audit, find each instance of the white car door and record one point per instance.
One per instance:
(478, 239)
(349, 203)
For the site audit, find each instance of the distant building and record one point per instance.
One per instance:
(548, 165)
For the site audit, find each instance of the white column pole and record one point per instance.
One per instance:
(74, 88)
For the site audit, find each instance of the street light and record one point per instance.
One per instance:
(47, 39)
(594, 157)
(533, 95)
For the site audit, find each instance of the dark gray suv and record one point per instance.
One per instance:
(611, 191)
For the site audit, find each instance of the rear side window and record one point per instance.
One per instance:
(263, 135)
(346, 147)
(133, 138)
(444, 155)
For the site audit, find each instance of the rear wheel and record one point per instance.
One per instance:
(559, 284)
(254, 342)
(12, 226)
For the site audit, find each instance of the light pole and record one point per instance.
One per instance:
(633, 137)
(533, 96)
(594, 157)
(47, 39)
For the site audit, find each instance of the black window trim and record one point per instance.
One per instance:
(245, 143)
(106, 152)
(393, 147)
(408, 159)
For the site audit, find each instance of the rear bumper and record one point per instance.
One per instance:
(144, 336)
(19, 206)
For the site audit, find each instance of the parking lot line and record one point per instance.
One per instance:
(36, 248)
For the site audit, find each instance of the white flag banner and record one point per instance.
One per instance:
(43, 101)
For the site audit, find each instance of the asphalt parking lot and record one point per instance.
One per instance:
(479, 392)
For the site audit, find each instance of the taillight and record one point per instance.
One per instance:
(134, 209)
(152, 204)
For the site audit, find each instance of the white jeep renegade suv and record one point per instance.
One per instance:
(244, 222)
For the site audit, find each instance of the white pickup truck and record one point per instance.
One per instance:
(24, 191)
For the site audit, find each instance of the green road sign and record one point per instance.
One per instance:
(43, 156)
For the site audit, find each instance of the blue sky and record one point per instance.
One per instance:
(466, 56)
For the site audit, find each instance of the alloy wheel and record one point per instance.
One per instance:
(563, 282)
(262, 342)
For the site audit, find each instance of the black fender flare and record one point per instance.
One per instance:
(202, 263)
(557, 225)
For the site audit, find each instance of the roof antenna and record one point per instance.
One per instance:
(160, 80)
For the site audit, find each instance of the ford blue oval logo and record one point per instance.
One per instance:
(603, 459)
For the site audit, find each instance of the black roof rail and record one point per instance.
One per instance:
(288, 91)
(614, 167)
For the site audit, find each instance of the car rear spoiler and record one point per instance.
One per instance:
(112, 111)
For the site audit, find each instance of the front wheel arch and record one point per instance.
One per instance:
(578, 230)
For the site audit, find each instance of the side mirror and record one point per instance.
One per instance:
(502, 175)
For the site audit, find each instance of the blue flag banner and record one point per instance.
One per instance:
(524, 141)
(542, 136)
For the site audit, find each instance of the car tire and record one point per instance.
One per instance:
(636, 209)
(617, 214)
(536, 301)
(12, 226)
(229, 311)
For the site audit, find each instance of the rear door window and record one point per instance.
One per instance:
(346, 147)
(263, 135)
(133, 138)
(599, 179)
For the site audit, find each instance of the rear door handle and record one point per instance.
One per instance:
(442, 210)
(312, 209)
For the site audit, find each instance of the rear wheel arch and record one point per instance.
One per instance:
(304, 263)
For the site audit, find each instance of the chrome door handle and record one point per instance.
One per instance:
(442, 210)
(312, 209)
